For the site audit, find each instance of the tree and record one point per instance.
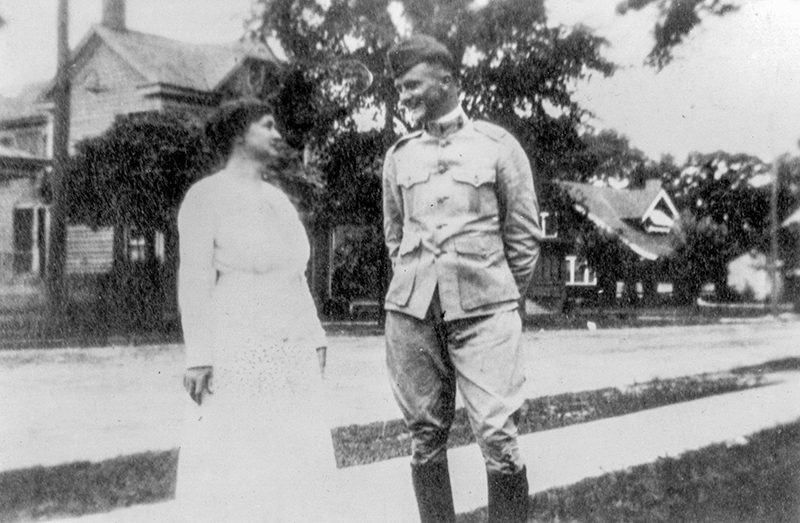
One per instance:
(517, 71)
(609, 158)
(720, 186)
(133, 178)
(676, 19)
(726, 203)
(136, 173)
(702, 252)
(611, 260)
(352, 169)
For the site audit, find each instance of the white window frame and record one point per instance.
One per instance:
(37, 240)
(587, 276)
(544, 220)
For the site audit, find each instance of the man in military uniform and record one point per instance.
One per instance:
(461, 225)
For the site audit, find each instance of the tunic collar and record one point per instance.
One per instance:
(447, 124)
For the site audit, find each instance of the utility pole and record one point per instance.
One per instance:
(58, 232)
(774, 263)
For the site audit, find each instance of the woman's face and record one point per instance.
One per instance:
(262, 138)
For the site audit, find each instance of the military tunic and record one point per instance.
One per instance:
(460, 214)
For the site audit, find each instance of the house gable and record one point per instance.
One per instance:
(104, 85)
(147, 72)
(640, 218)
(200, 67)
(661, 215)
(122, 72)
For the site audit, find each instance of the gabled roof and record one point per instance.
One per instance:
(624, 212)
(163, 61)
(23, 107)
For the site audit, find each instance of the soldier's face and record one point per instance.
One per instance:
(424, 92)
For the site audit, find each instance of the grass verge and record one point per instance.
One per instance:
(758, 481)
(75, 489)
(40, 493)
(363, 444)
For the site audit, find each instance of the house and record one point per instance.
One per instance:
(23, 229)
(641, 218)
(115, 71)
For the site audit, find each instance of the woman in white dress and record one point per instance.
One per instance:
(256, 447)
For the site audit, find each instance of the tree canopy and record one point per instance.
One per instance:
(137, 172)
(724, 188)
(609, 158)
(516, 69)
(676, 19)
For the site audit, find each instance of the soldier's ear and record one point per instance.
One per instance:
(447, 80)
(450, 80)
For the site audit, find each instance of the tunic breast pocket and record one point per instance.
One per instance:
(476, 177)
(476, 187)
(411, 177)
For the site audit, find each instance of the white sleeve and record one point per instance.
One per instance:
(316, 334)
(196, 276)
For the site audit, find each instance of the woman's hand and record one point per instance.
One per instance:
(322, 356)
(197, 382)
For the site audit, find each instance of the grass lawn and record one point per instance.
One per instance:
(757, 481)
(41, 493)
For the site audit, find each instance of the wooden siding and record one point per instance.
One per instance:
(104, 86)
(88, 251)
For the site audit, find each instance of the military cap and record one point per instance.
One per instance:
(415, 50)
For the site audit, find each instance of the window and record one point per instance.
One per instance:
(549, 224)
(29, 224)
(137, 246)
(579, 272)
(143, 245)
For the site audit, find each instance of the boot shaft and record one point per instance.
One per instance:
(434, 493)
(508, 497)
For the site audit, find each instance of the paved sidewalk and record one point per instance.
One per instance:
(92, 404)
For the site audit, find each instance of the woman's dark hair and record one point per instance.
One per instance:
(231, 120)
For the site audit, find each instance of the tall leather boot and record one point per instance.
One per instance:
(433, 491)
(508, 497)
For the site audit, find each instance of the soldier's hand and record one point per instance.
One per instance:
(198, 381)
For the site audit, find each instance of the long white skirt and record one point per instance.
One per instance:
(259, 448)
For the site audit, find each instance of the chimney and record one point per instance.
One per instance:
(114, 14)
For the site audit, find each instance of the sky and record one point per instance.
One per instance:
(732, 86)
